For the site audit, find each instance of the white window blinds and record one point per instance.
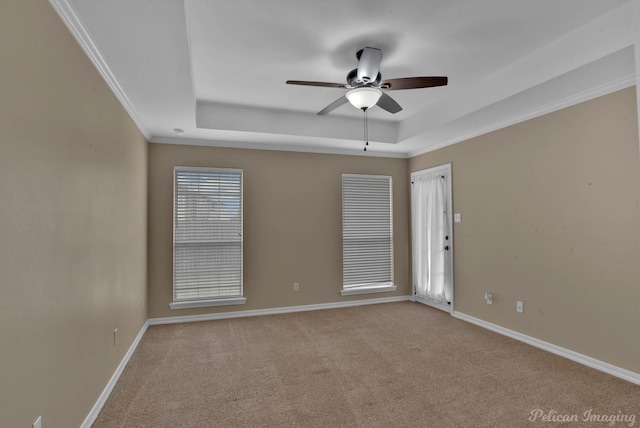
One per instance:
(207, 233)
(366, 231)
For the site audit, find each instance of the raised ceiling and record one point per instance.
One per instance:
(217, 69)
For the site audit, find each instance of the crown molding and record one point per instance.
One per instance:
(580, 97)
(373, 151)
(70, 18)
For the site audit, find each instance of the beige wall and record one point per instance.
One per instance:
(72, 223)
(551, 216)
(292, 224)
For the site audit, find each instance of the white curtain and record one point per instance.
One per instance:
(430, 233)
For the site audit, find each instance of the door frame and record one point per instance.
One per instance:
(442, 169)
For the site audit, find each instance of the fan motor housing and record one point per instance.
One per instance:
(352, 79)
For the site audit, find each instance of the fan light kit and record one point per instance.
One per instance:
(363, 98)
(367, 87)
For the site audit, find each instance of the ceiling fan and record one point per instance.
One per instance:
(366, 84)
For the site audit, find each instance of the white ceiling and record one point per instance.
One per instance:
(217, 69)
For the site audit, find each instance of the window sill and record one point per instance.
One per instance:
(367, 290)
(207, 303)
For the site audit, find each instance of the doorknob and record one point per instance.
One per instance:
(446, 248)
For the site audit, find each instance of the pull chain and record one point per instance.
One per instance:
(366, 130)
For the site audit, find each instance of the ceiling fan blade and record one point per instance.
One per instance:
(334, 105)
(369, 64)
(389, 104)
(413, 82)
(307, 83)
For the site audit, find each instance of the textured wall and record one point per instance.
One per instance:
(73, 170)
(292, 224)
(551, 217)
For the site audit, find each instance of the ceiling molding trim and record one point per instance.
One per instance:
(231, 117)
(580, 97)
(372, 152)
(70, 18)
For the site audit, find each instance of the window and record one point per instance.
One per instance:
(207, 237)
(367, 238)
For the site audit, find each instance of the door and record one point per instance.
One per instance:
(432, 237)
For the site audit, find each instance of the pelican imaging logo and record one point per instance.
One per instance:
(539, 415)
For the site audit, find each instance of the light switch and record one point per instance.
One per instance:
(457, 217)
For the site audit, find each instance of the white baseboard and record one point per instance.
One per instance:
(93, 414)
(558, 350)
(274, 311)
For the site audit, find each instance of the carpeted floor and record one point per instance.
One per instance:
(390, 365)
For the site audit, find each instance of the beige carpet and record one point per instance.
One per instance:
(390, 365)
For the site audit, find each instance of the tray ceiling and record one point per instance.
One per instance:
(217, 69)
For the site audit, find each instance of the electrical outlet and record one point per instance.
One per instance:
(520, 307)
(296, 286)
(457, 217)
(115, 334)
(488, 297)
(37, 423)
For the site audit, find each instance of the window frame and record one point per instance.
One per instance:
(369, 287)
(208, 301)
